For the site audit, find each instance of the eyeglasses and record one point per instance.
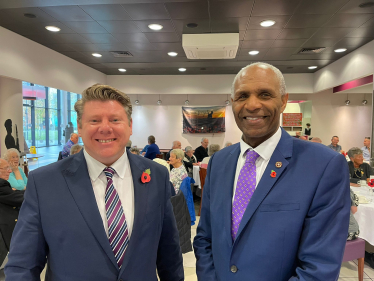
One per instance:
(6, 168)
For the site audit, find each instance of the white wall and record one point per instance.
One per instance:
(23, 59)
(10, 108)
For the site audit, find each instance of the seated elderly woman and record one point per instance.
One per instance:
(134, 150)
(178, 173)
(213, 148)
(17, 178)
(358, 170)
(75, 149)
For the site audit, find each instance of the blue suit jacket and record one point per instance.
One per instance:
(295, 226)
(60, 220)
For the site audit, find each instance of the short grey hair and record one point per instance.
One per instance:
(72, 134)
(10, 151)
(278, 73)
(75, 149)
(188, 148)
(213, 148)
(316, 139)
(179, 154)
(174, 142)
(354, 151)
(135, 149)
(204, 138)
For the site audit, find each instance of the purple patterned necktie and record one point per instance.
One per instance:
(244, 190)
(117, 226)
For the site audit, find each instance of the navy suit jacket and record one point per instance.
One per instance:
(295, 226)
(60, 220)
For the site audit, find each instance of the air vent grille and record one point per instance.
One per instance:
(312, 50)
(121, 54)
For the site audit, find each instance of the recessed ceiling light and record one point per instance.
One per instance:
(312, 67)
(267, 23)
(155, 26)
(253, 53)
(341, 50)
(182, 69)
(97, 55)
(122, 69)
(53, 28)
(172, 54)
(30, 16)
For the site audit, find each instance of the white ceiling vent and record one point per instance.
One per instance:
(211, 45)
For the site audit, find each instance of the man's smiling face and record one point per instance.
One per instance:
(257, 104)
(105, 130)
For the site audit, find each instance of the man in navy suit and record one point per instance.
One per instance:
(102, 214)
(274, 207)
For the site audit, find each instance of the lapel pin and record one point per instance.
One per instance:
(278, 164)
(273, 174)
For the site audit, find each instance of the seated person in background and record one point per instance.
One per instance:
(334, 145)
(366, 149)
(144, 150)
(152, 149)
(228, 143)
(202, 151)
(17, 177)
(316, 139)
(176, 145)
(10, 201)
(75, 149)
(66, 150)
(353, 229)
(298, 134)
(358, 170)
(179, 173)
(189, 160)
(134, 150)
(213, 148)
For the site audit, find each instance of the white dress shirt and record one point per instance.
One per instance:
(265, 150)
(122, 181)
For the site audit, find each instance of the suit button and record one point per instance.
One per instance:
(15, 220)
(234, 269)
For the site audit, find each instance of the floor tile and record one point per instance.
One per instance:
(368, 271)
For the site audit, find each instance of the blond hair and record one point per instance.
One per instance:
(102, 93)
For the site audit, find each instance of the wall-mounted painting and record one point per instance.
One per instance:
(208, 119)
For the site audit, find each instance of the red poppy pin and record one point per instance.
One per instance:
(371, 183)
(146, 176)
(273, 174)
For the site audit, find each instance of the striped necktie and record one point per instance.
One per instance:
(117, 226)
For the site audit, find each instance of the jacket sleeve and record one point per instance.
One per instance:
(28, 250)
(11, 197)
(169, 256)
(325, 230)
(202, 244)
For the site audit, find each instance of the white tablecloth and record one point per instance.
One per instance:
(196, 175)
(365, 216)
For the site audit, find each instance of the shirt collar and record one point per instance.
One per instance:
(95, 168)
(265, 149)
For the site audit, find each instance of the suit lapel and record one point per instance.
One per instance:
(281, 152)
(140, 201)
(227, 191)
(80, 187)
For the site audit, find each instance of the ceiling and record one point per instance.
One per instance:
(122, 25)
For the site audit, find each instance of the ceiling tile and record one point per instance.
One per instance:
(275, 7)
(84, 47)
(47, 38)
(85, 27)
(61, 47)
(349, 20)
(288, 43)
(315, 42)
(72, 38)
(18, 15)
(74, 55)
(320, 6)
(280, 53)
(297, 33)
(141, 46)
(131, 37)
(143, 25)
(352, 42)
(203, 26)
(67, 13)
(280, 22)
(362, 32)
(5, 18)
(112, 47)
(228, 24)
(353, 7)
(230, 9)
(185, 10)
(170, 47)
(120, 26)
(368, 23)
(100, 38)
(303, 21)
(256, 44)
(333, 32)
(165, 37)
(262, 34)
(147, 11)
(106, 12)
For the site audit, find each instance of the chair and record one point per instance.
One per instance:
(202, 174)
(355, 249)
(185, 188)
(161, 156)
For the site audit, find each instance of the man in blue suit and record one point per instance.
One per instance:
(274, 207)
(102, 214)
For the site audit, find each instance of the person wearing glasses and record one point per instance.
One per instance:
(10, 202)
